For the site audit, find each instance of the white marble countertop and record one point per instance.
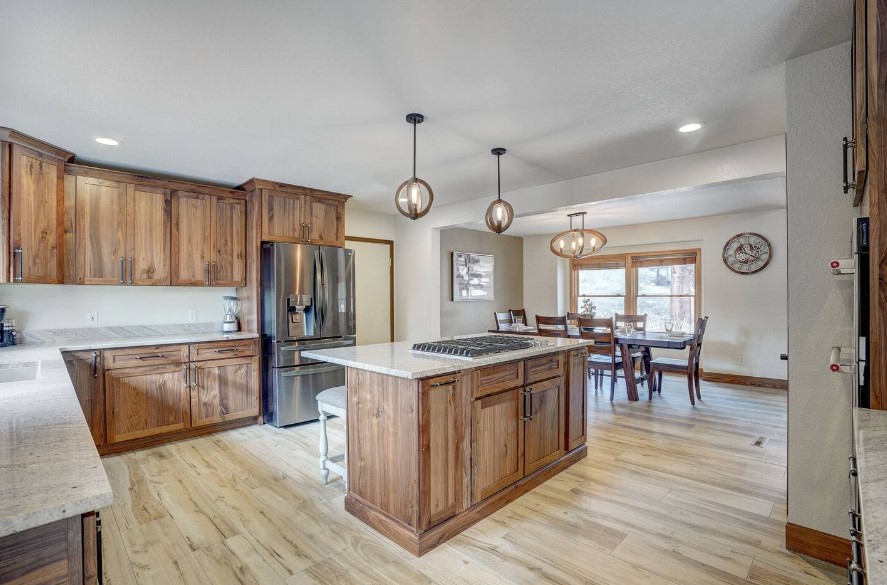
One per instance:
(396, 359)
(49, 466)
(871, 461)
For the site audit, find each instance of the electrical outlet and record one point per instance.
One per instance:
(192, 315)
(742, 360)
(92, 319)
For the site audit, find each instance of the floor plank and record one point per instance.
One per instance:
(669, 494)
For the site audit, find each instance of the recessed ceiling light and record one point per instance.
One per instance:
(691, 127)
(107, 141)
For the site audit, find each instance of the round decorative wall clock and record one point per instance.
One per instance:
(747, 253)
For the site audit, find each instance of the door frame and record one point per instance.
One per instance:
(390, 244)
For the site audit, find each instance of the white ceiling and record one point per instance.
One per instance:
(315, 93)
(734, 197)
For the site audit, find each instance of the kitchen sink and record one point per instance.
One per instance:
(19, 372)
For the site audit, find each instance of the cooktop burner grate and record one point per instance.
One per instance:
(472, 347)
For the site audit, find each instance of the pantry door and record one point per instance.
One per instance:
(373, 289)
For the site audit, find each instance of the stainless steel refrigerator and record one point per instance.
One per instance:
(307, 303)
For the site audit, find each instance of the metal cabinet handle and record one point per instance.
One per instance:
(446, 383)
(847, 145)
(122, 270)
(196, 376)
(215, 272)
(130, 270)
(227, 350)
(95, 364)
(528, 405)
(206, 273)
(309, 232)
(21, 264)
(187, 375)
(149, 357)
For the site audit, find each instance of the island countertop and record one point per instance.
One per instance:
(871, 454)
(396, 359)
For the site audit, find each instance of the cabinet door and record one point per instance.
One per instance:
(191, 231)
(146, 401)
(577, 399)
(497, 443)
(281, 216)
(100, 231)
(323, 219)
(544, 424)
(229, 242)
(85, 369)
(35, 214)
(149, 211)
(224, 390)
(444, 439)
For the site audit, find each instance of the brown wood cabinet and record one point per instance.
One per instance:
(324, 219)
(859, 60)
(148, 216)
(223, 390)
(577, 399)
(86, 372)
(497, 443)
(208, 240)
(543, 424)
(61, 552)
(31, 209)
(146, 401)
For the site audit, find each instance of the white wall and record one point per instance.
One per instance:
(417, 275)
(820, 305)
(44, 306)
(367, 224)
(748, 316)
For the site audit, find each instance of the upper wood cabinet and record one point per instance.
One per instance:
(31, 209)
(300, 215)
(121, 232)
(208, 240)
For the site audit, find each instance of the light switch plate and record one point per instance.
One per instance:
(192, 315)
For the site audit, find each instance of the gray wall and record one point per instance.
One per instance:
(477, 316)
(817, 100)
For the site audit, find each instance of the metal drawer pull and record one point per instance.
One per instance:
(447, 383)
(227, 350)
(149, 357)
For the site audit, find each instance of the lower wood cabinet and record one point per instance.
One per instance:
(577, 399)
(85, 370)
(497, 442)
(223, 390)
(61, 552)
(146, 401)
(543, 424)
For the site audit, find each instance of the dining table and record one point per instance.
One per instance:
(628, 343)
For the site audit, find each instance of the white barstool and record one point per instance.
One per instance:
(331, 401)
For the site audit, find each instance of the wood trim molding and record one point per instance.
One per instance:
(390, 244)
(819, 545)
(187, 433)
(256, 183)
(745, 380)
(16, 137)
(151, 180)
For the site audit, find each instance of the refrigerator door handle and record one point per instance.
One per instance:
(320, 300)
(306, 371)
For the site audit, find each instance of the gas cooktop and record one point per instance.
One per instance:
(472, 347)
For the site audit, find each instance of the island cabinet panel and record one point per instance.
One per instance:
(547, 366)
(493, 379)
(85, 370)
(497, 442)
(543, 424)
(148, 217)
(100, 228)
(445, 444)
(146, 401)
(383, 440)
(223, 390)
(577, 399)
(36, 209)
(61, 552)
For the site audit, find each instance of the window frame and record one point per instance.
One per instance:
(629, 260)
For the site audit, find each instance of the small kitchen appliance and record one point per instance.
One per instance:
(232, 307)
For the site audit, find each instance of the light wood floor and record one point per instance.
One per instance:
(669, 494)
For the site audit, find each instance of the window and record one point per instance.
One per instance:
(662, 285)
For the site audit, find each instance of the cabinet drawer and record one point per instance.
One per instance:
(150, 355)
(214, 350)
(544, 367)
(496, 378)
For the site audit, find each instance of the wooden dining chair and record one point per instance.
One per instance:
(519, 313)
(503, 319)
(638, 323)
(551, 326)
(603, 355)
(689, 366)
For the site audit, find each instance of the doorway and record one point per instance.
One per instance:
(374, 288)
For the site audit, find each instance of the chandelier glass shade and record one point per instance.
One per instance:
(414, 196)
(500, 213)
(576, 243)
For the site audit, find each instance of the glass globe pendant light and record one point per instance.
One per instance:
(414, 196)
(577, 243)
(500, 214)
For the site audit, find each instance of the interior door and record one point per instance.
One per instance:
(497, 443)
(191, 238)
(372, 292)
(100, 232)
(323, 219)
(229, 242)
(544, 425)
(146, 401)
(224, 390)
(36, 206)
(149, 211)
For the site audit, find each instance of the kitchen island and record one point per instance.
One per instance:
(436, 444)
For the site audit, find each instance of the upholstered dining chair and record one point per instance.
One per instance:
(603, 355)
(689, 366)
(551, 326)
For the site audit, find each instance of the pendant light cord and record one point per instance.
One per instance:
(499, 177)
(414, 150)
